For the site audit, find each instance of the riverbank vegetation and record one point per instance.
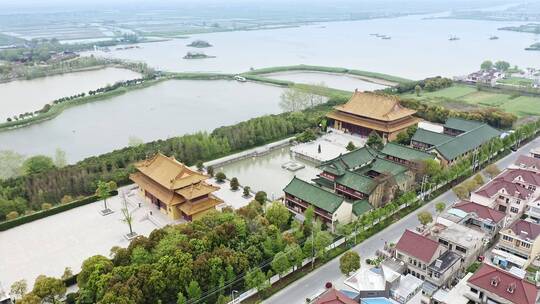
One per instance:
(17, 71)
(313, 68)
(27, 192)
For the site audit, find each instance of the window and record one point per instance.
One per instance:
(526, 245)
(474, 290)
(507, 238)
(518, 202)
(461, 249)
(514, 210)
(443, 242)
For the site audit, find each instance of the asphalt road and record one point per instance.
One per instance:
(313, 283)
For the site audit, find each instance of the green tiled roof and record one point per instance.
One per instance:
(321, 181)
(314, 195)
(337, 167)
(357, 182)
(404, 152)
(462, 124)
(430, 137)
(361, 207)
(385, 166)
(349, 160)
(467, 141)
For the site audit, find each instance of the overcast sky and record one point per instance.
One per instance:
(10, 6)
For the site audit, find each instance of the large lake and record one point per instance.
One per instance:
(168, 109)
(30, 95)
(418, 47)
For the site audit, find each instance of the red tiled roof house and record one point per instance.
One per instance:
(493, 285)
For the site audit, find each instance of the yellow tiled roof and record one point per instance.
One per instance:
(375, 106)
(191, 208)
(168, 172)
(373, 124)
(166, 196)
(196, 190)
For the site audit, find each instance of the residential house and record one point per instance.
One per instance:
(490, 284)
(476, 215)
(535, 152)
(332, 296)
(488, 76)
(533, 210)
(329, 207)
(467, 242)
(367, 112)
(509, 192)
(520, 240)
(528, 163)
(459, 139)
(456, 295)
(427, 259)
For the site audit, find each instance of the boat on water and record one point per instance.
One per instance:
(493, 38)
(453, 38)
(386, 37)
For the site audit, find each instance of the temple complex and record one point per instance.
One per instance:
(175, 189)
(366, 112)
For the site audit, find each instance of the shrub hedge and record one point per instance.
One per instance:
(42, 214)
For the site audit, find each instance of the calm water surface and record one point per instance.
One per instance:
(168, 109)
(418, 47)
(265, 172)
(22, 96)
(337, 81)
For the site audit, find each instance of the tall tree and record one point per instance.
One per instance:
(255, 278)
(502, 65)
(349, 262)
(375, 141)
(280, 263)
(50, 290)
(193, 291)
(127, 216)
(486, 65)
(37, 164)
(278, 215)
(60, 159)
(18, 289)
(439, 208)
(425, 218)
(103, 192)
(10, 164)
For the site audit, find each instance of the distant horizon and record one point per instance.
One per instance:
(22, 6)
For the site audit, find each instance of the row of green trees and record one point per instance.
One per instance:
(47, 107)
(198, 262)
(437, 113)
(29, 191)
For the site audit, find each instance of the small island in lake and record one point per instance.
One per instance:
(533, 47)
(197, 55)
(199, 44)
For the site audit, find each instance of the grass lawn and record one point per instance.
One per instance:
(520, 81)
(486, 98)
(469, 95)
(454, 92)
(523, 106)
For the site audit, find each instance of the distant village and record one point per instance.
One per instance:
(494, 76)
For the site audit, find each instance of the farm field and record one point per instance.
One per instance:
(466, 94)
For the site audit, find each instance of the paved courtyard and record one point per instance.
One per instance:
(234, 199)
(331, 145)
(48, 245)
